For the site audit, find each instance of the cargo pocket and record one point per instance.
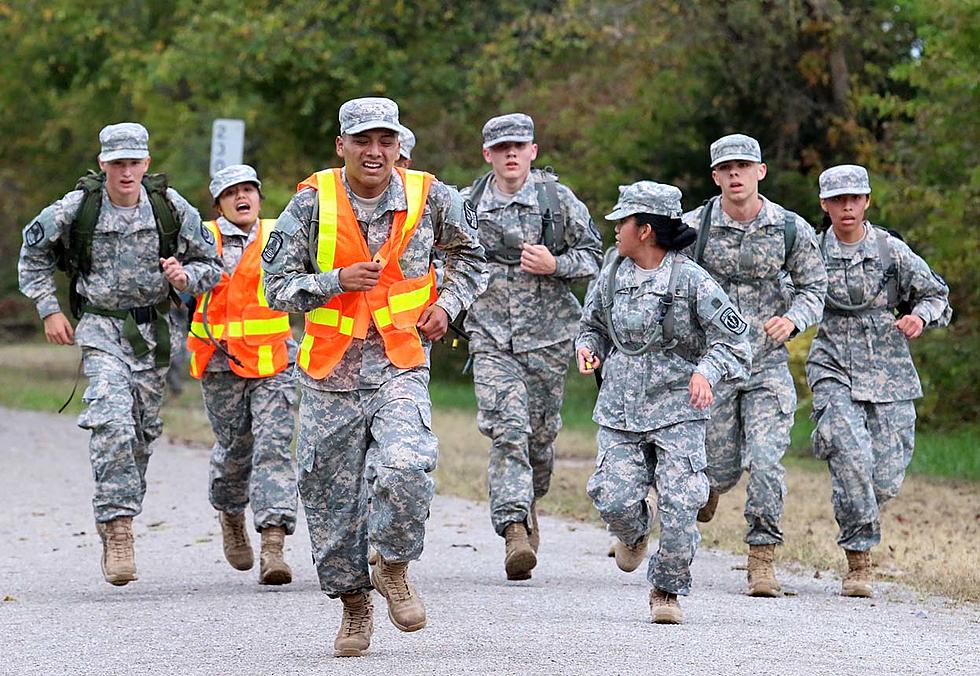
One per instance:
(822, 437)
(488, 403)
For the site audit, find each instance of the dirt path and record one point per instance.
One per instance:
(190, 613)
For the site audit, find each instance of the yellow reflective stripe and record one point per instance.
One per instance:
(266, 226)
(257, 327)
(327, 316)
(213, 227)
(346, 326)
(304, 351)
(414, 182)
(326, 246)
(382, 317)
(195, 369)
(265, 366)
(197, 330)
(410, 299)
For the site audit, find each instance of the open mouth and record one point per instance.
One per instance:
(372, 166)
(243, 207)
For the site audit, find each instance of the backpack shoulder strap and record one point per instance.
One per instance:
(82, 228)
(888, 266)
(552, 216)
(164, 213)
(667, 304)
(478, 188)
(789, 233)
(703, 228)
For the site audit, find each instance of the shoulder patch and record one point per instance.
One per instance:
(469, 211)
(272, 247)
(34, 234)
(733, 321)
(206, 234)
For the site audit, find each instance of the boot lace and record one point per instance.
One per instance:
(393, 575)
(117, 542)
(356, 617)
(235, 532)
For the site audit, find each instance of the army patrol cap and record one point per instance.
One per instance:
(232, 175)
(515, 127)
(844, 179)
(372, 112)
(124, 141)
(735, 147)
(647, 197)
(407, 141)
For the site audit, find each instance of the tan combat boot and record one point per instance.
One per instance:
(664, 608)
(534, 537)
(857, 582)
(761, 574)
(629, 557)
(357, 625)
(707, 513)
(519, 557)
(238, 549)
(272, 567)
(118, 559)
(405, 608)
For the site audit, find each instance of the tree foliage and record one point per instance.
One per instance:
(620, 91)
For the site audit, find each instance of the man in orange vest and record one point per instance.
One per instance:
(241, 350)
(352, 251)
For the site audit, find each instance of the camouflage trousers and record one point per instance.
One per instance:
(251, 460)
(867, 447)
(519, 398)
(749, 431)
(364, 462)
(675, 457)
(123, 412)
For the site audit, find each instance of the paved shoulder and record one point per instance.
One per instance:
(190, 613)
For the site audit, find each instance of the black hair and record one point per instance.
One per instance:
(671, 233)
(257, 188)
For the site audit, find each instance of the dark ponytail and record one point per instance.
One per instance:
(671, 233)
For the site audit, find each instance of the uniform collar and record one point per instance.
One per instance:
(866, 248)
(527, 195)
(229, 229)
(393, 198)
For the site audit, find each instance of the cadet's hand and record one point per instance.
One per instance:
(360, 276)
(536, 259)
(587, 362)
(174, 273)
(779, 328)
(58, 330)
(911, 326)
(701, 395)
(434, 322)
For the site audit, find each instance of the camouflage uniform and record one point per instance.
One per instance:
(520, 333)
(751, 420)
(861, 371)
(649, 433)
(368, 419)
(125, 391)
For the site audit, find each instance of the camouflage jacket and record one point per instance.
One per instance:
(521, 311)
(125, 263)
(292, 286)
(649, 391)
(864, 350)
(748, 260)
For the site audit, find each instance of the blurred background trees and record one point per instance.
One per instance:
(620, 91)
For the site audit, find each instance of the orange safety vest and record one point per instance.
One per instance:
(239, 314)
(394, 305)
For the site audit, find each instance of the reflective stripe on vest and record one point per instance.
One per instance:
(239, 315)
(394, 305)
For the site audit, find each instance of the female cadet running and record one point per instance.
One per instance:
(664, 333)
(859, 366)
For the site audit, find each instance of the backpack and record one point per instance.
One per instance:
(552, 217)
(74, 252)
(789, 231)
(888, 283)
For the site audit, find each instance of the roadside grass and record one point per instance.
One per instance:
(929, 532)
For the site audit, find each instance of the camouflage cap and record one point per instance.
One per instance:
(359, 115)
(124, 141)
(407, 141)
(516, 127)
(844, 179)
(232, 175)
(735, 147)
(647, 197)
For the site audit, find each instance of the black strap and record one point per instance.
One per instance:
(702, 239)
(132, 318)
(74, 387)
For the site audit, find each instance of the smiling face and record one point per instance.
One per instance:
(511, 160)
(847, 215)
(123, 179)
(240, 203)
(369, 158)
(739, 180)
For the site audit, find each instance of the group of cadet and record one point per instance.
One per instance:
(685, 319)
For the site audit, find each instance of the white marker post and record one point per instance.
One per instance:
(227, 143)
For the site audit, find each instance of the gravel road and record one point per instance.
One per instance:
(191, 613)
